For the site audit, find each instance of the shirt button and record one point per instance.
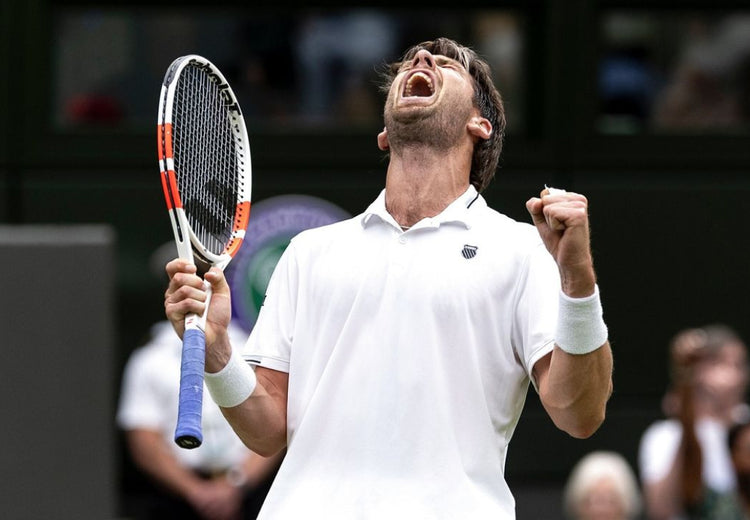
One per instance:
(402, 239)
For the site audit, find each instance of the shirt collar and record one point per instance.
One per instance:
(458, 211)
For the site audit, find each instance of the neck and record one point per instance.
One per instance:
(421, 183)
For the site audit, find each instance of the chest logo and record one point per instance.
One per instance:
(469, 252)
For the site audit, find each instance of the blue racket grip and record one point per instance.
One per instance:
(188, 433)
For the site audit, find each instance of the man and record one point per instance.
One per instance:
(684, 460)
(735, 504)
(394, 350)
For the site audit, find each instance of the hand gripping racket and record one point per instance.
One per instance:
(204, 157)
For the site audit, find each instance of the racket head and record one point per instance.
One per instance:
(205, 162)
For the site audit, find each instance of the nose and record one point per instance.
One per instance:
(423, 58)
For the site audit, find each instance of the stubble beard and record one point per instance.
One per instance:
(438, 127)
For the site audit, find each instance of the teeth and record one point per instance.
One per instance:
(418, 76)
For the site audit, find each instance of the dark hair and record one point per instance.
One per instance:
(706, 343)
(486, 98)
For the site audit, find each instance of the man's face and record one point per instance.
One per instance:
(723, 377)
(429, 103)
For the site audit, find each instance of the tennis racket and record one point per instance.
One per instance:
(204, 157)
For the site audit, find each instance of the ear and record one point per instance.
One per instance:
(479, 127)
(383, 140)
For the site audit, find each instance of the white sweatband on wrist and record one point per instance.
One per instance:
(232, 384)
(580, 324)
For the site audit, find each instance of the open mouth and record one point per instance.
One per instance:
(419, 84)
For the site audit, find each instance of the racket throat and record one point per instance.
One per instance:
(201, 263)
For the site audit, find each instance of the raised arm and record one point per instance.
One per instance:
(575, 379)
(254, 402)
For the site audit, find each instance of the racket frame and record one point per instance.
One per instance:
(189, 246)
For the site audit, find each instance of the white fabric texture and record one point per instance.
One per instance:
(409, 356)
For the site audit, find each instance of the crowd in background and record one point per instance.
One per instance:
(656, 72)
(694, 464)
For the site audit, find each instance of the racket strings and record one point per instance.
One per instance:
(206, 156)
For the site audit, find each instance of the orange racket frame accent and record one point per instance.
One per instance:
(169, 176)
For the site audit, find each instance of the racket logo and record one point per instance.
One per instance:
(223, 87)
(469, 252)
(215, 208)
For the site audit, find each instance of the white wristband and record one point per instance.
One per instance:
(232, 384)
(580, 324)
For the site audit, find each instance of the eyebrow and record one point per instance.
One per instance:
(445, 59)
(440, 59)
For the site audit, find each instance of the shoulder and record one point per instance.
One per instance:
(329, 230)
(321, 237)
(520, 240)
(657, 449)
(659, 432)
(492, 220)
(712, 433)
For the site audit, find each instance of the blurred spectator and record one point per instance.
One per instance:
(684, 458)
(602, 486)
(731, 505)
(735, 505)
(738, 505)
(221, 479)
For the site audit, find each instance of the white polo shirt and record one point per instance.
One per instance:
(409, 356)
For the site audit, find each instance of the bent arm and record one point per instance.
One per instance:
(260, 421)
(576, 383)
(259, 469)
(574, 389)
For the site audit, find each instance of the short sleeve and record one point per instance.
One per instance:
(270, 341)
(537, 296)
